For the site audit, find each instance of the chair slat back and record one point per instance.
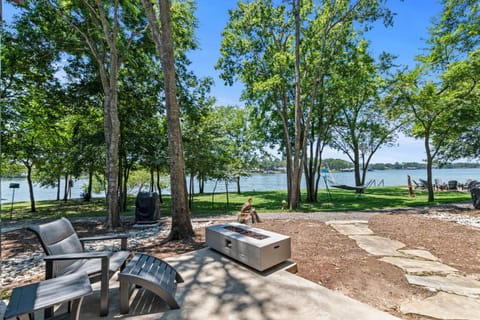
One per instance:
(58, 237)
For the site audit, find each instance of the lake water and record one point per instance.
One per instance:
(256, 182)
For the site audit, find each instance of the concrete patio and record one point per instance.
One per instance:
(216, 287)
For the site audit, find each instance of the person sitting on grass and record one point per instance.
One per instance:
(248, 212)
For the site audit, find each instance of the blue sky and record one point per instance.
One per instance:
(405, 40)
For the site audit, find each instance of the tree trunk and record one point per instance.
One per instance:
(201, 184)
(356, 166)
(89, 187)
(238, 185)
(226, 189)
(112, 138)
(364, 172)
(58, 187)
(107, 59)
(152, 180)
(181, 223)
(30, 188)
(312, 170)
(309, 179)
(297, 157)
(65, 188)
(191, 191)
(282, 109)
(159, 187)
(312, 176)
(319, 176)
(122, 185)
(108, 66)
(431, 195)
(125, 186)
(213, 192)
(288, 152)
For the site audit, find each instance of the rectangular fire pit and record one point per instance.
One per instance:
(257, 248)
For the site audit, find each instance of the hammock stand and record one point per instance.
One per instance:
(359, 189)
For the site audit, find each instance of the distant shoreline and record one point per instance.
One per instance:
(263, 182)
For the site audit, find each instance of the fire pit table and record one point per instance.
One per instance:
(257, 248)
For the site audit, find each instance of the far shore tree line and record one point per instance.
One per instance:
(141, 179)
(105, 88)
(331, 164)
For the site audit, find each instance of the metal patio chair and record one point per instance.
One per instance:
(65, 254)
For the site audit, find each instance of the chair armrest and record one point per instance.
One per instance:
(79, 255)
(104, 255)
(105, 237)
(122, 236)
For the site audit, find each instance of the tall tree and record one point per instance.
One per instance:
(255, 49)
(362, 126)
(84, 98)
(327, 33)
(201, 132)
(102, 31)
(29, 133)
(454, 53)
(161, 29)
(244, 145)
(442, 93)
(299, 154)
(141, 117)
(27, 96)
(267, 48)
(423, 103)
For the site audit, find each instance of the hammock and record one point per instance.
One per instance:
(359, 189)
(345, 187)
(330, 181)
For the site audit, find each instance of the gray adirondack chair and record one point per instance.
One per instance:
(65, 254)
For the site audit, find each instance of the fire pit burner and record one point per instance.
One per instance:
(258, 248)
(247, 233)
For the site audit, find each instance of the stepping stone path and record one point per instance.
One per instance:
(458, 295)
(419, 267)
(379, 246)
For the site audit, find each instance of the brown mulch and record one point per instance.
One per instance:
(333, 260)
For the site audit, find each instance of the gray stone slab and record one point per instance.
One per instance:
(379, 246)
(419, 267)
(346, 222)
(352, 228)
(422, 254)
(452, 283)
(445, 306)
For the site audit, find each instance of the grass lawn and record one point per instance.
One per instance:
(266, 201)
